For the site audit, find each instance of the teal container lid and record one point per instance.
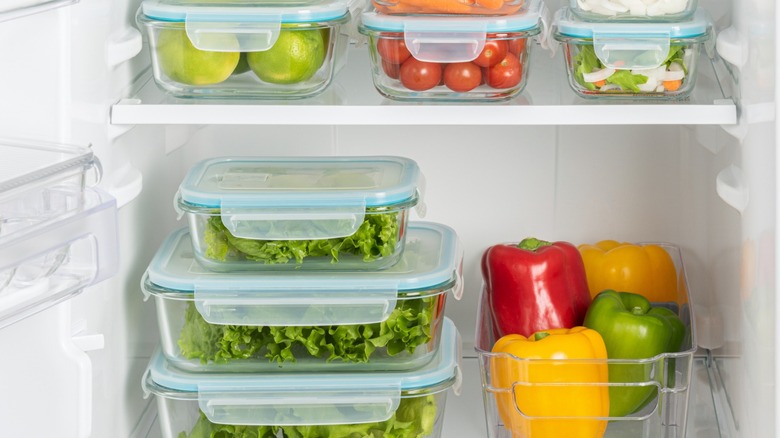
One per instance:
(237, 11)
(308, 398)
(430, 265)
(567, 24)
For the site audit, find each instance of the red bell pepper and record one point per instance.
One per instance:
(535, 285)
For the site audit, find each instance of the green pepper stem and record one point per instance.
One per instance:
(532, 243)
(538, 336)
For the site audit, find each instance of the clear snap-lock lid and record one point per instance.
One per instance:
(240, 25)
(632, 45)
(299, 198)
(308, 398)
(452, 38)
(430, 265)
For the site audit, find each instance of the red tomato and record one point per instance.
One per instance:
(419, 75)
(492, 54)
(391, 70)
(462, 76)
(392, 50)
(517, 46)
(505, 74)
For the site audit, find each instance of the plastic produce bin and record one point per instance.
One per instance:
(668, 373)
(56, 234)
(448, 58)
(384, 320)
(245, 49)
(325, 213)
(640, 60)
(320, 405)
(634, 10)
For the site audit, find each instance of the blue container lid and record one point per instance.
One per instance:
(244, 11)
(308, 398)
(430, 265)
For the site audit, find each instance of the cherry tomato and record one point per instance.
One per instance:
(516, 46)
(391, 70)
(505, 74)
(419, 75)
(492, 54)
(392, 50)
(462, 76)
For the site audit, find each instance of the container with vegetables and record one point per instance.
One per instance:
(635, 59)
(633, 10)
(396, 404)
(312, 320)
(623, 369)
(300, 213)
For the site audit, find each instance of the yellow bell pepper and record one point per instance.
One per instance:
(647, 270)
(530, 383)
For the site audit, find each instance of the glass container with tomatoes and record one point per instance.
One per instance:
(450, 58)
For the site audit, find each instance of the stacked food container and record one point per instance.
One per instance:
(246, 48)
(302, 301)
(619, 362)
(450, 50)
(633, 48)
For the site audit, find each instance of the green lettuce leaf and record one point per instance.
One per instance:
(407, 327)
(626, 80)
(414, 418)
(376, 237)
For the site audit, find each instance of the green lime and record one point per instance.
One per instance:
(295, 57)
(183, 62)
(243, 65)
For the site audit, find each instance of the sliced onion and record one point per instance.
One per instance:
(648, 86)
(610, 87)
(676, 75)
(676, 66)
(617, 7)
(598, 9)
(660, 88)
(584, 5)
(598, 75)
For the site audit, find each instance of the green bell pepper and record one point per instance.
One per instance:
(633, 329)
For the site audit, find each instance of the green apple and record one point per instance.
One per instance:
(295, 57)
(184, 63)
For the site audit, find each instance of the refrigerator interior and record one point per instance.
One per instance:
(700, 174)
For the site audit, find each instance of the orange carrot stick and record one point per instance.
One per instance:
(443, 6)
(672, 85)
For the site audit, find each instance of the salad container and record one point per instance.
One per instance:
(324, 213)
(53, 226)
(531, 405)
(410, 403)
(445, 58)
(244, 49)
(642, 60)
(311, 321)
(634, 10)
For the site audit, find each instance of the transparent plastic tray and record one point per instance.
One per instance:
(670, 373)
(51, 261)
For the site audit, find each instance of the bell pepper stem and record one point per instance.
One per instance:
(532, 243)
(538, 336)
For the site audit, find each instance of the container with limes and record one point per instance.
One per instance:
(245, 49)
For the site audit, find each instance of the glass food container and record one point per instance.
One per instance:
(638, 60)
(325, 213)
(243, 49)
(634, 10)
(308, 321)
(411, 403)
(445, 58)
(527, 407)
(450, 7)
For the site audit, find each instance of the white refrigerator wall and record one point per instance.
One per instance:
(711, 192)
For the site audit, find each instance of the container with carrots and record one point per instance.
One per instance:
(451, 58)
(457, 7)
(632, 59)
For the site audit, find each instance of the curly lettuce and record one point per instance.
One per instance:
(407, 327)
(376, 237)
(414, 418)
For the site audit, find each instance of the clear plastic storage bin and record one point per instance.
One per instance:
(307, 404)
(450, 58)
(640, 60)
(668, 373)
(275, 50)
(634, 10)
(326, 213)
(311, 321)
(56, 235)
